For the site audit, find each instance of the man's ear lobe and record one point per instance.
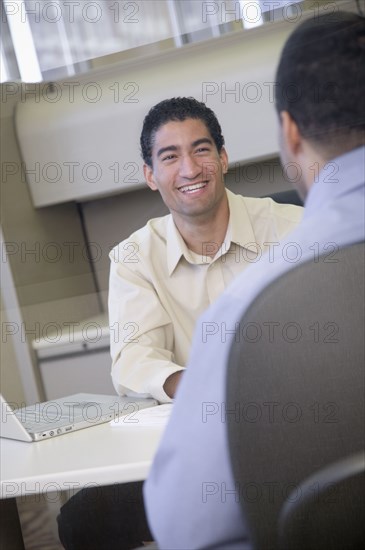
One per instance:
(290, 132)
(148, 175)
(224, 159)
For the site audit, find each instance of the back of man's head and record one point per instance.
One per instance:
(320, 81)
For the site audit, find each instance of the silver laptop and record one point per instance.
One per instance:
(65, 415)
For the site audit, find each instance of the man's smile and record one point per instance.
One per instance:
(192, 187)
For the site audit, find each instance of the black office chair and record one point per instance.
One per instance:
(330, 498)
(287, 197)
(297, 378)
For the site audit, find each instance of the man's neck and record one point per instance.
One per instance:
(204, 234)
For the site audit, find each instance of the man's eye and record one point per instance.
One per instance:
(168, 157)
(202, 150)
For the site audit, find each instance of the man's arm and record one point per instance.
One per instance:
(190, 495)
(141, 336)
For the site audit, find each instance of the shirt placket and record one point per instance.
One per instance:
(215, 280)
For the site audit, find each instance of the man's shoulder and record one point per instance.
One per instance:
(266, 206)
(260, 207)
(146, 239)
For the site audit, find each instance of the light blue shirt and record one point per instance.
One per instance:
(190, 494)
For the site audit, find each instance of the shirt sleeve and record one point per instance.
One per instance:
(141, 334)
(191, 498)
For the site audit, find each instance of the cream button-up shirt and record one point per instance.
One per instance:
(158, 288)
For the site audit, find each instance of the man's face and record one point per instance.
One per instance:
(187, 169)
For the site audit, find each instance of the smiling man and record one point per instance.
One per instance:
(168, 272)
(162, 278)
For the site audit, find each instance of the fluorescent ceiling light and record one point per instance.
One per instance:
(251, 13)
(4, 70)
(23, 41)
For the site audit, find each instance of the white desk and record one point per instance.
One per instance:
(100, 455)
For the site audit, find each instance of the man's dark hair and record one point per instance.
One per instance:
(177, 109)
(320, 79)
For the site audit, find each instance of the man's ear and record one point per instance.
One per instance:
(148, 175)
(290, 133)
(224, 159)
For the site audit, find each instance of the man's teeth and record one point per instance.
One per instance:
(195, 187)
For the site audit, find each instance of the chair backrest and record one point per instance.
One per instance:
(330, 499)
(296, 384)
(287, 197)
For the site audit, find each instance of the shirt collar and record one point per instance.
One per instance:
(339, 176)
(176, 246)
(239, 231)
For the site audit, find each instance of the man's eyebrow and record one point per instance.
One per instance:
(201, 141)
(165, 149)
(174, 148)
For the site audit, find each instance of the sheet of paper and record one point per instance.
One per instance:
(152, 416)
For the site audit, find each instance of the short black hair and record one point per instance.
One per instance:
(320, 79)
(179, 109)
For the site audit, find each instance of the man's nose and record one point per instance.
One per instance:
(189, 167)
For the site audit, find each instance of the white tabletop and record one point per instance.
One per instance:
(99, 455)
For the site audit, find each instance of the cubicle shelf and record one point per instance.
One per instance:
(81, 140)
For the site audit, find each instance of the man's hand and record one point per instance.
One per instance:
(171, 383)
